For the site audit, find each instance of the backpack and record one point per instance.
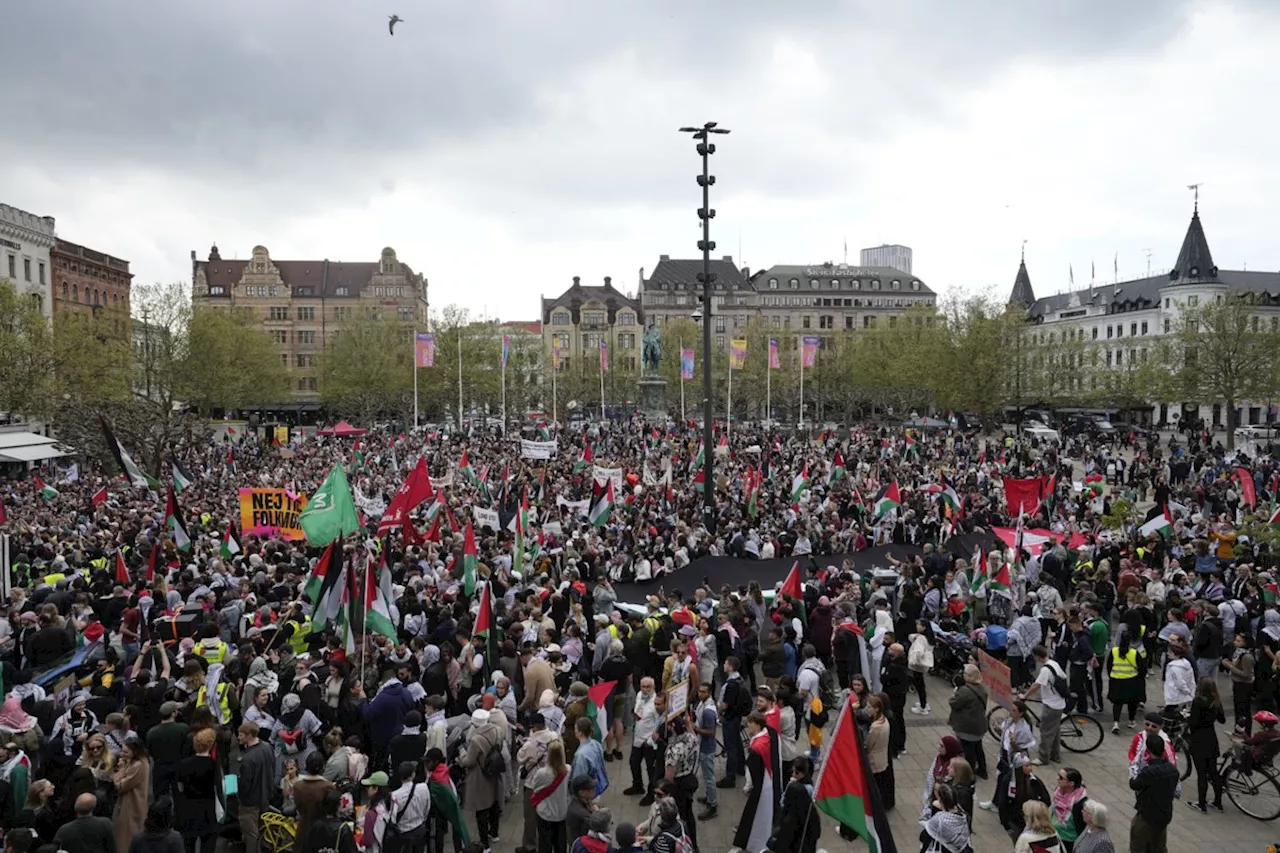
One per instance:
(1060, 684)
(494, 765)
(391, 832)
(828, 689)
(682, 842)
(293, 741)
(742, 704)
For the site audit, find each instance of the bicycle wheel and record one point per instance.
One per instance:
(995, 721)
(1080, 733)
(1184, 758)
(1257, 794)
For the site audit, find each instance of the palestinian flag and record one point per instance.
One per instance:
(152, 562)
(585, 461)
(230, 542)
(522, 525)
(122, 571)
(444, 798)
(699, 481)
(1094, 484)
(485, 624)
(468, 473)
(99, 497)
(320, 578)
(135, 475)
(762, 800)
(597, 696)
(544, 434)
(977, 586)
(377, 608)
(950, 496)
(799, 483)
(886, 500)
(724, 442)
(173, 521)
(181, 479)
(1274, 521)
(1161, 523)
(846, 790)
(470, 561)
(911, 445)
(357, 449)
(753, 494)
(46, 491)
(793, 588)
(600, 512)
(1001, 583)
(836, 471)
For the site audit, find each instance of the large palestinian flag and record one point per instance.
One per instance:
(887, 499)
(848, 792)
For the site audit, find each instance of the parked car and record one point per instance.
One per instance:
(1258, 432)
(1038, 429)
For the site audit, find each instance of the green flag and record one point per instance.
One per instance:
(330, 512)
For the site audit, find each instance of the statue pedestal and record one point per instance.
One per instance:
(653, 397)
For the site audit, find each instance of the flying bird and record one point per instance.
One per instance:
(395, 19)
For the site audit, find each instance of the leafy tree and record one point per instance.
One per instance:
(26, 383)
(92, 362)
(230, 362)
(366, 369)
(1222, 352)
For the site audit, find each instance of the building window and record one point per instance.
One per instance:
(306, 313)
(1120, 330)
(284, 359)
(217, 291)
(1095, 333)
(1166, 326)
(13, 270)
(65, 290)
(41, 265)
(626, 319)
(1144, 327)
(1110, 332)
(1193, 301)
(302, 360)
(848, 322)
(835, 284)
(719, 322)
(895, 285)
(405, 315)
(794, 284)
(342, 313)
(593, 318)
(804, 321)
(720, 342)
(773, 284)
(277, 313)
(306, 336)
(26, 268)
(341, 291)
(280, 336)
(869, 322)
(915, 285)
(560, 318)
(626, 340)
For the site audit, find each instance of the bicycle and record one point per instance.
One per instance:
(1253, 789)
(1175, 728)
(1080, 732)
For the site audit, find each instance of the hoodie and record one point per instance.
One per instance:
(385, 712)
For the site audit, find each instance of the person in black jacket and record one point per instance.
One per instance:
(410, 745)
(894, 679)
(1202, 742)
(798, 830)
(735, 703)
(1156, 785)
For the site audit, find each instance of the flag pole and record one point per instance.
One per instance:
(555, 368)
(801, 421)
(728, 404)
(415, 380)
(363, 626)
(682, 380)
(504, 388)
(768, 384)
(459, 377)
(603, 356)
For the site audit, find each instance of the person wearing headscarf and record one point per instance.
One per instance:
(19, 726)
(75, 726)
(15, 770)
(940, 771)
(797, 830)
(946, 828)
(295, 733)
(481, 792)
(261, 679)
(882, 624)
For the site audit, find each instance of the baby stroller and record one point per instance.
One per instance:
(952, 649)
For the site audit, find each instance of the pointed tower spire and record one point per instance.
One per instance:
(1195, 262)
(1022, 294)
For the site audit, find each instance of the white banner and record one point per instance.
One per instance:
(583, 507)
(533, 519)
(537, 449)
(486, 517)
(614, 474)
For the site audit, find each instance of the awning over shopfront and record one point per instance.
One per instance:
(28, 447)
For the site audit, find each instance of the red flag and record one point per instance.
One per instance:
(99, 497)
(1022, 495)
(484, 619)
(433, 532)
(4, 515)
(1247, 494)
(151, 562)
(122, 571)
(415, 489)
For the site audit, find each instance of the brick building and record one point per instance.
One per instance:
(303, 304)
(86, 281)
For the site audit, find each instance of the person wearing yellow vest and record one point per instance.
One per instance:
(1127, 670)
(211, 647)
(223, 693)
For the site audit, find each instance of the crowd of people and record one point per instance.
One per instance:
(160, 694)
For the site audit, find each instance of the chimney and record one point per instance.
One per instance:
(576, 281)
(746, 272)
(48, 220)
(608, 281)
(728, 259)
(662, 258)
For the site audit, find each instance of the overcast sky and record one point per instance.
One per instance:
(505, 146)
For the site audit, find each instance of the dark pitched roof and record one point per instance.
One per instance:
(1022, 293)
(679, 274)
(847, 275)
(352, 275)
(1194, 263)
(578, 295)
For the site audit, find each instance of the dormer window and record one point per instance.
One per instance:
(773, 284)
(875, 284)
(855, 284)
(1195, 271)
(915, 285)
(813, 282)
(341, 291)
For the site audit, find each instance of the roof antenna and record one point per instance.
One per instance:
(1024, 250)
(1148, 251)
(1195, 188)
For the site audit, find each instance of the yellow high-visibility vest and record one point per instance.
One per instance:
(224, 706)
(1124, 667)
(217, 654)
(301, 637)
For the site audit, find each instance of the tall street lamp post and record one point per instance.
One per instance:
(705, 149)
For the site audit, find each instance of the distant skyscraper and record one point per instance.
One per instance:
(898, 257)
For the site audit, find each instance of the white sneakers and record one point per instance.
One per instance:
(916, 709)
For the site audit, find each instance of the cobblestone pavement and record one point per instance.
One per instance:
(1105, 771)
